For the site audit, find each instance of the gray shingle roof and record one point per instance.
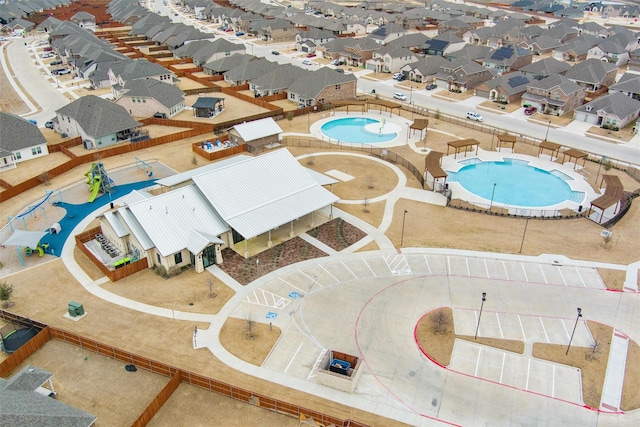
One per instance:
(98, 117)
(17, 133)
(590, 71)
(309, 85)
(22, 406)
(628, 83)
(556, 80)
(617, 104)
(279, 78)
(165, 93)
(546, 67)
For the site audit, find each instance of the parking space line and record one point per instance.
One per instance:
(315, 365)
(522, 329)
(566, 331)
(526, 278)
(504, 356)
(326, 270)
(427, 262)
(543, 276)
(369, 267)
(505, 270)
(313, 281)
(292, 285)
(499, 326)
(486, 268)
(553, 382)
(349, 270)
(580, 276)
(526, 387)
(448, 265)
(562, 276)
(466, 260)
(544, 330)
(293, 357)
(478, 361)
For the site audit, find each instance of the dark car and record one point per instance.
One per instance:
(160, 115)
(239, 34)
(431, 86)
(55, 63)
(311, 55)
(530, 110)
(275, 52)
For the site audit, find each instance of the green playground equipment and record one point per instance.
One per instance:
(98, 181)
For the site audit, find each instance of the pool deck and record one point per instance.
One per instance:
(576, 183)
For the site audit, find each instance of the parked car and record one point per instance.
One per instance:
(160, 115)
(47, 55)
(340, 70)
(239, 34)
(49, 125)
(57, 71)
(530, 110)
(3, 39)
(396, 75)
(475, 116)
(228, 30)
(311, 55)
(64, 71)
(48, 49)
(307, 62)
(55, 62)
(33, 122)
(275, 52)
(431, 86)
(401, 96)
(335, 62)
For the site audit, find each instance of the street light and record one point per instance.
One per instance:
(484, 298)
(492, 194)
(404, 216)
(574, 329)
(547, 134)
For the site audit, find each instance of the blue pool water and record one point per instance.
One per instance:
(351, 129)
(516, 183)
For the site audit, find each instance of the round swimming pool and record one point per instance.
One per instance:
(515, 183)
(359, 129)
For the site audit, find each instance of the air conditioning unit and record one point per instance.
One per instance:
(606, 234)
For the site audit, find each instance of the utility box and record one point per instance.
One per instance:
(75, 309)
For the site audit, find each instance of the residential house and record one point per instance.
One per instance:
(593, 74)
(562, 31)
(634, 61)
(541, 45)
(18, 25)
(276, 81)
(390, 59)
(505, 89)
(507, 58)
(387, 33)
(25, 402)
(306, 41)
(84, 20)
(544, 68)
(146, 97)
(443, 44)
(462, 75)
(354, 51)
(460, 25)
(615, 49)
(123, 72)
(277, 30)
(249, 70)
(100, 123)
(469, 52)
(217, 49)
(576, 50)
(611, 111)
(593, 28)
(425, 69)
(48, 24)
(188, 36)
(20, 140)
(224, 64)
(256, 134)
(190, 49)
(629, 84)
(322, 86)
(555, 95)
(412, 41)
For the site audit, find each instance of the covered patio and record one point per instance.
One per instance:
(207, 107)
(462, 144)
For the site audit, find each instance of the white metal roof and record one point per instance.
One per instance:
(169, 218)
(183, 177)
(198, 241)
(257, 129)
(262, 193)
(115, 222)
(136, 229)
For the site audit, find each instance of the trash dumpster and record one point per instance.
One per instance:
(75, 309)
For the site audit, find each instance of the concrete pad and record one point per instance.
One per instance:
(344, 177)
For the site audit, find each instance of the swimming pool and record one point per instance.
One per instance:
(515, 182)
(360, 129)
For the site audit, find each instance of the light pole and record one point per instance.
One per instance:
(484, 298)
(523, 234)
(574, 329)
(547, 134)
(404, 216)
(492, 194)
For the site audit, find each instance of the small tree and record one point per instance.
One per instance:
(44, 178)
(439, 322)
(606, 239)
(366, 203)
(212, 293)
(607, 165)
(194, 160)
(371, 182)
(6, 290)
(290, 117)
(311, 159)
(436, 115)
(249, 327)
(594, 350)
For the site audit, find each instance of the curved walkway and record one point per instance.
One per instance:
(305, 324)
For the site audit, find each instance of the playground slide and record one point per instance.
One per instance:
(95, 188)
(40, 250)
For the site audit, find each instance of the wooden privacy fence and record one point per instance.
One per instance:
(113, 275)
(177, 376)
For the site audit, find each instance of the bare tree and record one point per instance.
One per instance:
(44, 178)
(212, 293)
(607, 238)
(594, 349)
(249, 327)
(371, 182)
(366, 203)
(194, 160)
(439, 322)
(311, 159)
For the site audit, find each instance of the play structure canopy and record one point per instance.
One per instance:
(25, 238)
